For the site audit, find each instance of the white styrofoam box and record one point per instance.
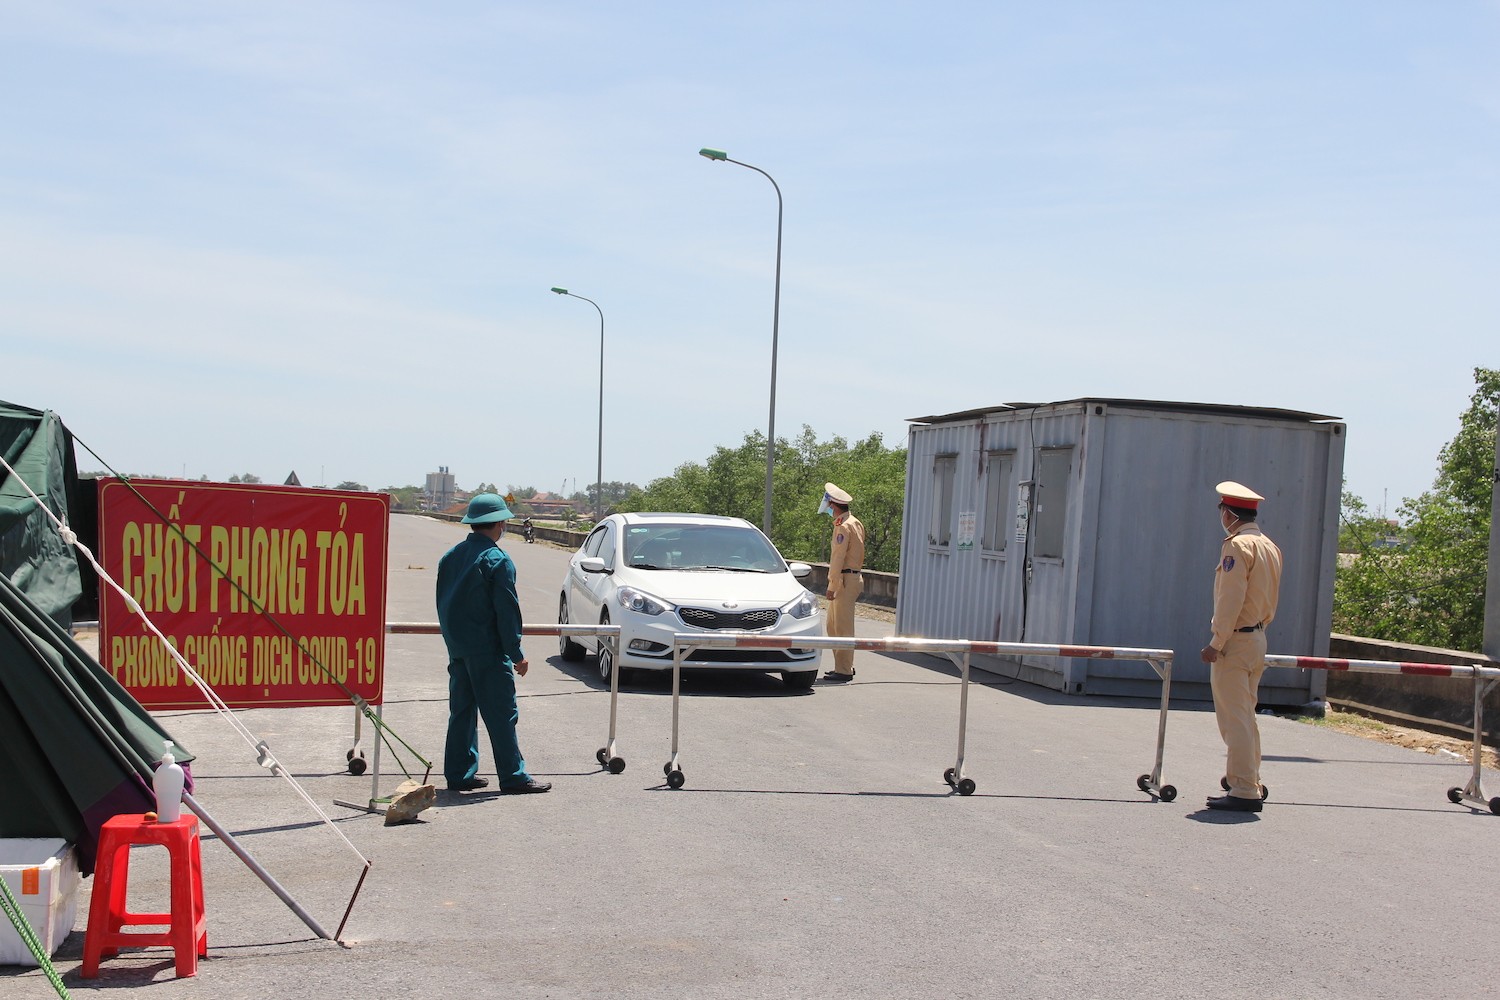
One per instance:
(43, 876)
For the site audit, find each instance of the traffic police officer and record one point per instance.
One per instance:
(480, 616)
(845, 560)
(1246, 586)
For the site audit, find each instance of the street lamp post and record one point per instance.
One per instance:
(721, 156)
(599, 470)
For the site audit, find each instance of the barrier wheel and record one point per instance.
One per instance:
(1143, 782)
(599, 755)
(356, 759)
(616, 765)
(666, 769)
(948, 776)
(1495, 805)
(1168, 793)
(675, 779)
(966, 786)
(1455, 795)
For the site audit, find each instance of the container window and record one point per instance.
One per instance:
(999, 470)
(944, 470)
(1054, 468)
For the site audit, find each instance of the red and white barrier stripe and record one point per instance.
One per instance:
(605, 755)
(1485, 677)
(898, 643)
(1385, 666)
(964, 649)
(433, 628)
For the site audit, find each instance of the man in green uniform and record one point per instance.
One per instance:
(845, 560)
(1246, 587)
(480, 617)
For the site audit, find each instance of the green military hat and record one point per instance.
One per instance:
(487, 508)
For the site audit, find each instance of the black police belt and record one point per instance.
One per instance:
(848, 571)
(1252, 628)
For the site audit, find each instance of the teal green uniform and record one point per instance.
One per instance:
(481, 620)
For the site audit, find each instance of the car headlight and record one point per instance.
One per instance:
(640, 602)
(803, 607)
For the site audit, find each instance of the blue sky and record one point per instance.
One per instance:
(320, 236)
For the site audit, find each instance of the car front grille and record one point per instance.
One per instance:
(749, 656)
(707, 618)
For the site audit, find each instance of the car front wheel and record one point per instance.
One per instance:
(606, 654)
(570, 650)
(799, 680)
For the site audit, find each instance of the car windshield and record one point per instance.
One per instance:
(702, 547)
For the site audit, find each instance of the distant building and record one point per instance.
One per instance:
(549, 505)
(439, 491)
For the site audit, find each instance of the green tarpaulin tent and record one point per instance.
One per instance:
(37, 445)
(75, 747)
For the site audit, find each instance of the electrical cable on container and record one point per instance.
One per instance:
(384, 732)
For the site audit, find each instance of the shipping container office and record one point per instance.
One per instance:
(1094, 522)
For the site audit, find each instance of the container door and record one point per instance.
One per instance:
(1042, 578)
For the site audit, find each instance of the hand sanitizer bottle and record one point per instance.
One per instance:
(167, 782)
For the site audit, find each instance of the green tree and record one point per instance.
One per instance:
(732, 481)
(351, 486)
(1430, 588)
(248, 477)
(405, 497)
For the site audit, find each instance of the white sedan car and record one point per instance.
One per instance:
(658, 574)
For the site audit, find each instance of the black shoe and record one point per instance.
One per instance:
(468, 784)
(834, 677)
(1234, 803)
(532, 785)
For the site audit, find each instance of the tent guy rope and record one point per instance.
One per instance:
(264, 756)
(382, 731)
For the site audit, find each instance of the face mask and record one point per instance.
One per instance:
(825, 507)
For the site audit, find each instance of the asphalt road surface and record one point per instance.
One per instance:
(815, 850)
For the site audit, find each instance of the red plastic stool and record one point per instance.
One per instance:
(187, 923)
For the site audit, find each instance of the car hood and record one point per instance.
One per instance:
(693, 588)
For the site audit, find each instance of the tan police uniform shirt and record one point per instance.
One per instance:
(1247, 584)
(848, 550)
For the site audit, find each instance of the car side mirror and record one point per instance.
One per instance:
(799, 570)
(591, 564)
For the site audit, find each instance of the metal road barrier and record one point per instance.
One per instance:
(961, 649)
(1485, 679)
(607, 756)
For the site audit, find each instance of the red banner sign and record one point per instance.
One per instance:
(274, 594)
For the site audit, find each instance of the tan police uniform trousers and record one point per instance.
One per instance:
(841, 618)
(1235, 678)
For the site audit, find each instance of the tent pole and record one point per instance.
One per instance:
(255, 867)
